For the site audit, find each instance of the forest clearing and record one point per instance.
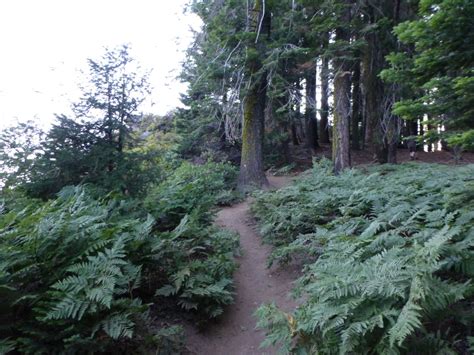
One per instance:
(313, 192)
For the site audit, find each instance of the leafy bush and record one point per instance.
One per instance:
(392, 252)
(78, 273)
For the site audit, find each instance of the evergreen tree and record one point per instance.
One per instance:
(95, 146)
(438, 68)
(251, 164)
(342, 87)
(324, 122)
(112, 96)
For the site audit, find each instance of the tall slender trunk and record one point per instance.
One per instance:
(223, 119)
(252, 174)
(413, 127)
(295, 120)
(324, 113)
(285, 144)
(405, 133)
(356, 110)
(382, 127)
(310, 110)
(373, 62)
(393, 139)
(342, 88)
(294, 134)
(430, 144)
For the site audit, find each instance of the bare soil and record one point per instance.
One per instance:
(234, 333)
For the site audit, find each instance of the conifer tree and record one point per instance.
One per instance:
(436, 70)
(251, 163)
(342, 87)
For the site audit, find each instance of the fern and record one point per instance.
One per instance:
(78, 273)
(6, 346)
(389, 253)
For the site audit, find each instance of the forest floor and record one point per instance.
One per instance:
(234, 333)
(303, 158)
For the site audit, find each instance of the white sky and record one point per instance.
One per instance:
(44, 44)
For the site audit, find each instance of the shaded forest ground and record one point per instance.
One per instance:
(234, 333)
(303, 158)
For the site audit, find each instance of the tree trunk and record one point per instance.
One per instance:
(251, 165)
(382, 127)
(223, 119)
(392, 139)
(285, 144)
(356, 111)
(342, 104)
(392, 153)
(294, 134)
(413, 127)
(252, 173)
(430, 143)
(324, 113)
(310, 110)
(373, 62)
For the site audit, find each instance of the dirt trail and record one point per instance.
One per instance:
(234, 333)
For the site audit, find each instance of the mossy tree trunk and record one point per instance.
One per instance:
(342, 103)
(252, 173)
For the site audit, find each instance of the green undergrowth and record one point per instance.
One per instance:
(389, 255)
(79, 274)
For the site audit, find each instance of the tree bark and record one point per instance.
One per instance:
(430, 144)
(413, 127)
(382, 127)
(251, 165)
(342, 89)
(392, 153)
(356, 110)
(324, 113)
(223, 119)
(310, 110)
(294, 134)
(373, 62)
(252, 173)
(392, 139)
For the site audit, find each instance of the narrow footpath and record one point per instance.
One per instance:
(235, 333)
